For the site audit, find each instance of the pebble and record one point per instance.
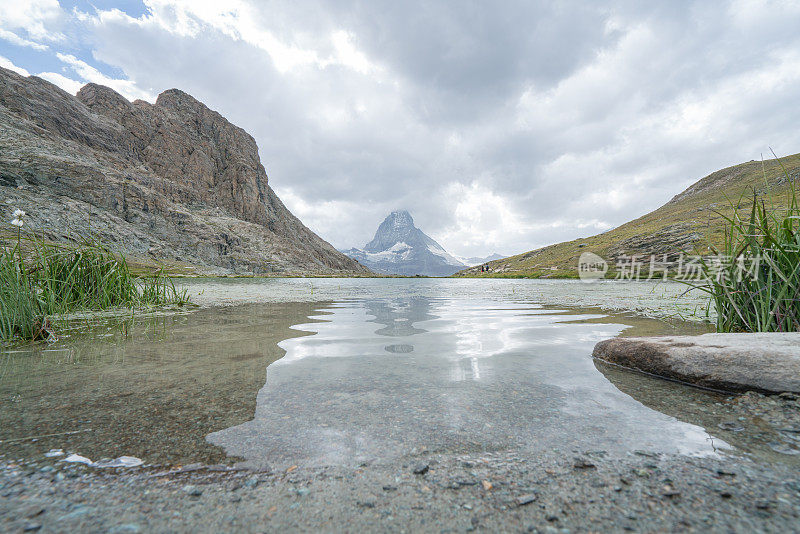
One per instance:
(31, 526)
(731, 426)
(528, 498)
(125, 528)
(583, 463)
(192, 491)
(251, 482)
(421, 468)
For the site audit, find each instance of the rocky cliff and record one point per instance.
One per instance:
(170, 181)
(399, 247)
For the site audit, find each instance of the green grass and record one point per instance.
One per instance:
(40, 282)
(755, 282)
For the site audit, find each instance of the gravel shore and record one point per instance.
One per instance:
(562, 492)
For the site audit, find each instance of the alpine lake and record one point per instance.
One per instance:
(269, 373)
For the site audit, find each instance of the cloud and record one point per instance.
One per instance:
(500, 127)
(15, 39)
(68, 84)
(37, 18)
(126, 88)
(8, 64)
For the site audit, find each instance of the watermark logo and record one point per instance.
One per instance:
(719, 268)
(591, 267)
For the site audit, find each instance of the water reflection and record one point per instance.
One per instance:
(472, 375)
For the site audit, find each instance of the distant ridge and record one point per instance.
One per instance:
(690, 219)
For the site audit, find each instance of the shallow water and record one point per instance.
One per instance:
(438, 367)
(647, 298)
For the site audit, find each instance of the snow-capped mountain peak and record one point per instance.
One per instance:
(399, 247)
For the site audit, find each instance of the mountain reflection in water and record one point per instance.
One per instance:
(387, 378)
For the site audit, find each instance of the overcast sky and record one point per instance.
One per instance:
(500, 126)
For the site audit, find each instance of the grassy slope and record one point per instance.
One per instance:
(690, 221)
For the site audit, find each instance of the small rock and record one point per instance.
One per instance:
(731, 426)
(552, 518)
(366, 504)
(192, 491)
(421, 468)
(528, 498)
(31, 527)
(764, 504)
(389, 488)
(583, 463)
(236, 498)
(486, 485)
(302, 492)
(783, 448)
(125, 528)
(251, 482)
(34, 511)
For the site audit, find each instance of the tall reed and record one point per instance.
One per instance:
(754, 278)
(40, 282)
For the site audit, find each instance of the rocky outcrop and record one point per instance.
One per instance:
(172, 180)
(765, 362)
(401, 248)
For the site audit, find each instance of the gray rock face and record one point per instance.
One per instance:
(172, 180)
(766, 362)
(399, 247)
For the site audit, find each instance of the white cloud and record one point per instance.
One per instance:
(68, 84)
(126, 88)
(32, 16)
(8, 64)
(15, 39)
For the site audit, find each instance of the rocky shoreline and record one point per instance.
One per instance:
(565, 491)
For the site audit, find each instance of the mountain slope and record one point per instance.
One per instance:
(399, 247)
(692, 219)
(170, 182)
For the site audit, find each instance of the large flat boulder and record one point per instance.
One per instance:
(765, 362)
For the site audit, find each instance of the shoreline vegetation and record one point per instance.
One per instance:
(41, 282)
(766, 298)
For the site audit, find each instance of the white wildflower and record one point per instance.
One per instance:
(19, 214)
(17, 222)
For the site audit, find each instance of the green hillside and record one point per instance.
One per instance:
(690, 222)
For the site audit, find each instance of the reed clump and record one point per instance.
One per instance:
(40, 282)
(754, 278)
